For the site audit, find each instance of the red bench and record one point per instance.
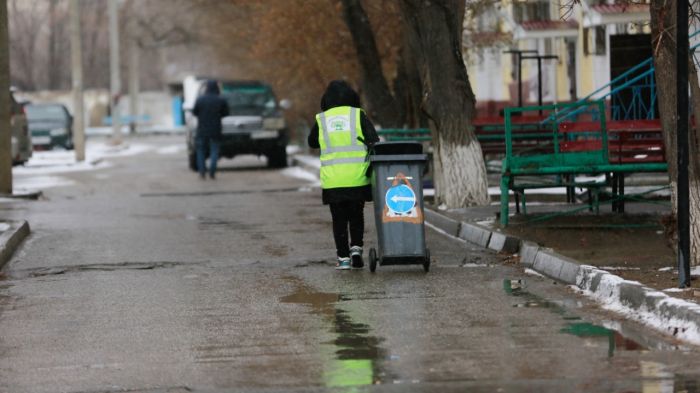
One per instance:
(629, 141)
(528, 133)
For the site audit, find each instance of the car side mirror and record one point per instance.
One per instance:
(285, 104)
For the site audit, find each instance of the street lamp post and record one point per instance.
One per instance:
(77, 77)
(115, 79)
(519, 56)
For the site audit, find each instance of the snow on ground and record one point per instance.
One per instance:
(4, 226)
(533, 272)
(172, 149)
(299, 173)
(40, 182)
(607, 292)
(37, 173)
(61, 161)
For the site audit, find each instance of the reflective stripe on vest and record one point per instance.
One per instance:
(343, 156)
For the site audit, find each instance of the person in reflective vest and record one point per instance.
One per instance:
(343, 132)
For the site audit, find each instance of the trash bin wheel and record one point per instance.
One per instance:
(426, 263)
(372, 259)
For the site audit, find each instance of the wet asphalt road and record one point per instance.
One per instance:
(141, 277)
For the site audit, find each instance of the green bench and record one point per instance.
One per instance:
(571, 151)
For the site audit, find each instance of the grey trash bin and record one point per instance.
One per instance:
(397, 189)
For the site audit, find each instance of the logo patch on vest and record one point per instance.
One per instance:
(338, 123)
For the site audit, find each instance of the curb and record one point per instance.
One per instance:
(30, 195)
(664, 313)
(11, 238)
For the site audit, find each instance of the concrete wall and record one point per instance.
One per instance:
(154, 105)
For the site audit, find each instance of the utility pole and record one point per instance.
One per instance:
(115, 79)
(683, 213)
(5, 132)
(77, 71)
(133, 76)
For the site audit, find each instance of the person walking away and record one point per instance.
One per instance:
(343, 132)
(209, 108)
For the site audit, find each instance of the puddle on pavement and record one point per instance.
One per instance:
(616, 341)
(574, 325)
(355, 355)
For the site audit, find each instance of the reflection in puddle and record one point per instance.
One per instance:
(616, 341)
(355, 353)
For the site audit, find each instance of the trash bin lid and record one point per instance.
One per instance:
(399, 158)
(394, 148)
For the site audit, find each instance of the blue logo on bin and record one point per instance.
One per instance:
(400, 199)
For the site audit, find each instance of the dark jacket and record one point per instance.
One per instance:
(339, 93)
(210, 109)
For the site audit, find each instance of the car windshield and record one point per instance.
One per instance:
(248, 98)
(46, 112)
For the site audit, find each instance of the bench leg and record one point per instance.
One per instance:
(590, 199)
(596, 200)
(516, 194)
(614, 192)
(621, 204)
(505, 199)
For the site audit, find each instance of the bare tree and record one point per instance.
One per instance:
(434, 30)
(663, 24)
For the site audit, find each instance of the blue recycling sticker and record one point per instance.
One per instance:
(400, 199)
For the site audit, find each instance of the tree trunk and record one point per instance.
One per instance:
(382, 106)
(53, 67)
(435, 30)
(663, 22)
(5, 131)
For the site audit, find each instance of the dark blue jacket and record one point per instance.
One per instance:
(210, 109)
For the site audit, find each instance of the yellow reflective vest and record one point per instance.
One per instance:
(343, 157)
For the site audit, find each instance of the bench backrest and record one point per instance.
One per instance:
(571, 144)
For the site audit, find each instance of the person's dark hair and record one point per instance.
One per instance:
(339, 93)
(212, 87)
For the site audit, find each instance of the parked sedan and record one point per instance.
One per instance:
(51, 125)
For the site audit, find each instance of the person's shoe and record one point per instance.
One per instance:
(212, 176)
(343, 264)
(201, 176)
(356, 256)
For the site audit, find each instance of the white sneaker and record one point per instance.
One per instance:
(343, 264)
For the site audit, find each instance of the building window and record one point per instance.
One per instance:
(528, 11)
(594, 41)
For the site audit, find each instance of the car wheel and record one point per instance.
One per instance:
(278, 158)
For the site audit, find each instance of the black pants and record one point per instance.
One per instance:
(348, 213)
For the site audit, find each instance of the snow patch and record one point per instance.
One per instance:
(533, 272)
(174, 149)
(666, 269)
(4, 226)
(310, 161)
(299, 173)
(662, 314)
(41, 182)
(695, 271)
(677, 289)
(619, 268)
